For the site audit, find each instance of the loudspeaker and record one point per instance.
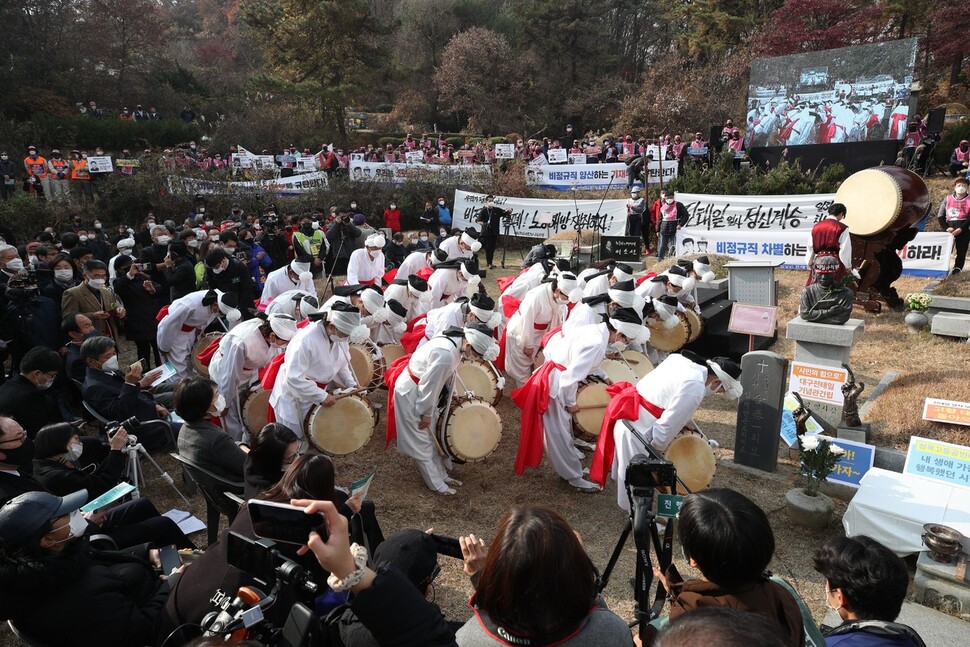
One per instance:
(715, 142)
(934, 120)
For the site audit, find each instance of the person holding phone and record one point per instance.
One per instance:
(144, 299)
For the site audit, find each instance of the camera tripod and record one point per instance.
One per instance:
(134, 450)
(507, 224)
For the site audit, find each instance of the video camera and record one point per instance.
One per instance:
(131, 426)
(23, 286)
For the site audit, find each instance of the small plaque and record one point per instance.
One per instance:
(668, 505)
(748, 319)
(938, 461)
(622, 248)
(951, 411)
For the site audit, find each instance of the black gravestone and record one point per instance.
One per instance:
(621, 248)
(757, 438)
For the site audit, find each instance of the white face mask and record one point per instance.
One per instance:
(64, 275)
(220, 269)
(200, 210)
(83, 239)
(960, 190)
(669, 200)
(97, 225)
(424, 239)
(441, 203)
(97, 284)
(393, 206)
(315, 224)
(209, 223)
(15, 265)
(218, 405)
(110, 364)
(163, 240)
(32, 259)
(74, 452)
(78, 525)
(214, 238)
(353, 205)
(194, 244)
(618, 346)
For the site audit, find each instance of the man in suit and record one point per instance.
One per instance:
(25, 396)
(16, 461)
(118, 395)
(94, 300)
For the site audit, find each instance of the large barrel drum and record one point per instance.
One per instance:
(883, 199)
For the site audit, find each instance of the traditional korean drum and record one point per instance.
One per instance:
(696, 325)
(694, 459)
(618, 371)
(637, 362)
(591, 398)
(255, 408)
(367, 363)
(343, 428)
(392, 352)
(481, 378)
(471, 430)
(204, 342)
(670, 340)
(885, 198)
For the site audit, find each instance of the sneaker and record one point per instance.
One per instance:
(581, 484)
(451, 481)
(580, 455)
(447, 492)
(491, 267)
(578, 442)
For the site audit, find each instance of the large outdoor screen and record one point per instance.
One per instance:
(851, 94)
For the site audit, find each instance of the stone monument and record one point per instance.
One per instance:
(760, 409)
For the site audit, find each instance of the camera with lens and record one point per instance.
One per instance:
(23, 286)
(650, 472)
(269, 223)
(131, 425)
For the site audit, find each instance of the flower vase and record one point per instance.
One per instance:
(916, 321)
(813, 512)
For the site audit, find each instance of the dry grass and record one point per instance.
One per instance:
(957, 285)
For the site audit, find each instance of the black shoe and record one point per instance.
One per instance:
(491, 267)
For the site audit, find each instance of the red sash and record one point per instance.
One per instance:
(625, 403)
(391, 373)
(162, 313)
(411, 339)
(549, 335)
(533, 398)
(505, 281)
(416, 320)
(509, 305)
(390, 275)
(205, 357)
(267, 379)
(500, 360)
(425, 272)
(646, 277)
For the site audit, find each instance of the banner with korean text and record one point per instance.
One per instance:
(780, 227)
(591, 176)
(399, 172)
(528, 214)
(280, 187)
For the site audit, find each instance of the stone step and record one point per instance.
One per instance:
(951, 324)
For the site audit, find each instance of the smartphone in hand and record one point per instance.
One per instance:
(285, 523)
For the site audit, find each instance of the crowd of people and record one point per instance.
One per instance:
(70, 297)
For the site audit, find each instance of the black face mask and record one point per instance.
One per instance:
(21, 456)
(307, 229)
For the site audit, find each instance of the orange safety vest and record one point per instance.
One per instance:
(79, 170)
(60, 169)
(36, 167)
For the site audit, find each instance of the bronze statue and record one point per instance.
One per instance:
(801, 415)
(851, 391)
(825, 301)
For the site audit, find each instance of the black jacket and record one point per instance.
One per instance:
(83, 597)
(237, 280)
(57, 478)
(151, 256)
(30, 406)
(490, 219)
(12, 485)
(181, 278)
(342, 239)
(114, 398)
(8, 167)
(141, 307)
(210, 447)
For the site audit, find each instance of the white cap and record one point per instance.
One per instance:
(300, 268)
(127, 243)
(636, 333)
(375, 240)
(473, 243)
(374, 302)
(349, 324)
(483, 344)
(283, 325)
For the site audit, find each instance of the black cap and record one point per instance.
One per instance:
(416, 282)
(483, 301)
(397, 308)
(349, 290)
(24, 515)
(627, 315)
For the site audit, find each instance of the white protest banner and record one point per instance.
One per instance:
(414, 157)
(592, 176)
(577, 158)
(539, 160)
(306, 164)
(926, 255)
(100, 164)
(755, 212)
(557, 155)
(265, 162)
(399, 172)
(529, 216)
(504, 151)
(280, 187)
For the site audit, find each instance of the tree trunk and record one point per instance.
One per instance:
(955, 70)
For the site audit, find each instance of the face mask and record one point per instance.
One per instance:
(3, 157)
(110, 364)
(209, 223)
(32, 260)
(125, 251)
(441, 202)
(489, 203)
(442, 233)
(74, 452)
(64, 275)
(78, 525)
(16, 265)
(220, 269)
(424, 239)
(97, 225)
(393, 206)
(353, 205)
(412, 240)
(231, 250)
(714, 391)
(315, 225)
(46, 385)
(192, 243)
(219, 405)
(200, 210)
(83, 239)
(164, 240)
(669, 200)
(618, 346)
(960, 190)
(20, 456)
(214, 238)
(97, 284)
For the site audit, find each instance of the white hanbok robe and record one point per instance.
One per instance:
(434, 365)
(450, 246)
(538, 313)
(441, 319)
(176, 343)
(445, 286)
(361, 269)
(284, 303)
(241, 353)
(412, 264)
(676, 385)
(278, 281)
(581, 352)
(312, 358)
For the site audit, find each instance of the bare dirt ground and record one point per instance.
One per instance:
(928, 366)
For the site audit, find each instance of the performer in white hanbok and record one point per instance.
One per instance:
(417, 390)
(542, 309)
(411, 292)
(464, 246)
(180, 323)
(390, 331)
(548, 399)
(413, 263)
(296, 303)
(674, 282)
(295, 276)
(315, 359)
(479, 309)
(241, 353)
(369, 299)
(366, 265)
(663, 403)
(452, 279)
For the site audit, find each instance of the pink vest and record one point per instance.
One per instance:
(957, 209)
(962, 156)
(668, 212)
(629, 148)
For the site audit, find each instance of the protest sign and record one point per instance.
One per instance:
(100, 164)
(754, 212)
(400, 172)
(531, 217)
(414, 157)
(939, 461)
(280, 187)
(557, 155)
(504, 151)
(577, 158)
(853, 464)
(592, 176)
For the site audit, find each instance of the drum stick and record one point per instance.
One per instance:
(587, 407)
(462, 382)
(344, 395)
